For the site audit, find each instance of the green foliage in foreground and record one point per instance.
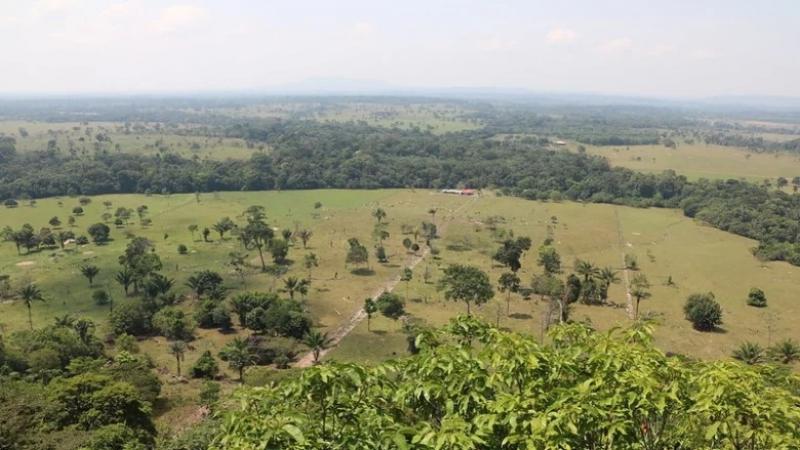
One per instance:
(476, 387)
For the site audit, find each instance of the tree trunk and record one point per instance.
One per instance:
(468, 312)
(261, 255)
(30, 317)
(508, 303)
(178, 362)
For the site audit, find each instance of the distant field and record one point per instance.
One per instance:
(702, 161)
(698, 258)
(435, 118)
(146, 139)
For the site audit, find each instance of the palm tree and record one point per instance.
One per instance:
(305, 236)
(608, 276)
(90, 271)
(65, 321)
(586, 269)
(294, 284)
(639, 290)
(750, 353)
(370, 307)
(432, 212)
(787, 351)
(124, 277)
(238, 355)
(178, 349)
(29, 294)
(84, 328)
(379, 214)
(310, 261)
(317, 342)
(192, 229)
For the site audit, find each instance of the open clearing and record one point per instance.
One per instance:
(702, 161)
(697, 257)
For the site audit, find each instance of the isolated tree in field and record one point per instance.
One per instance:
(238, 355)
(432, 212)
(107, 204)
(310, 261)
(99, 232)
(223, 226)
(750, 353)
(317, 342)
(407, 243)
(255, 213)
(258, 235)
(54, 222)
(466, 284)
(703, 311)
(193, 229)
(90, 271)
(357, 254)
(370, 308)
(390, 305)
(406, 275)
(640, 289)
(379, 214)
(510, 252)
(78, 211)
(29, 294)
(305, 236)
(509, 283)
(785, 352)
(71, 221)
(757, 298)
(123, 214)
(125, 278)
(279, 249)
(206, 233)
(178, 350)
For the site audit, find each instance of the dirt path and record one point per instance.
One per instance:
(625, 271)
(307, 360)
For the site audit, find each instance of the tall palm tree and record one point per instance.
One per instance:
(178, 349)
(125, 278)
(608, 276)
(640, 289)
(84, 328)
(90, 271)
(29, 294)
(317, 342)
(294, 284)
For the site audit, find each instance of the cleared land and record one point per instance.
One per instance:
(701, 161)
(81, 138)
(698, 258)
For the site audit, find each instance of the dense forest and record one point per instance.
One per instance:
(310, 155)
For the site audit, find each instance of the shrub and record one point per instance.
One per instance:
(390, 305)
(182, 249)
(131, 318)
(205, 367)
(757, 298)
(173, 324)
(703, 311)
(101, 297)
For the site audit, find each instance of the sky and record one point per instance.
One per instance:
(659, 48)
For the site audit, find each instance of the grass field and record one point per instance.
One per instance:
(145, 139)
(702, 161)
(698, 258)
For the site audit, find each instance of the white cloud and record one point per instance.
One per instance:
(561, 36)
(177, 17)
(495, 44)
(44, 7)
(616, 46)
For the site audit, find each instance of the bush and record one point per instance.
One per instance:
(205, 367)
(182, 249)
(101, 297)
(211, 314)
(131, 318)
(173, 324)
(390, 305)
(757, 298)
(703, 311)
(82, 240)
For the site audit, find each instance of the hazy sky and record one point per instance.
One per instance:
(656, 48)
